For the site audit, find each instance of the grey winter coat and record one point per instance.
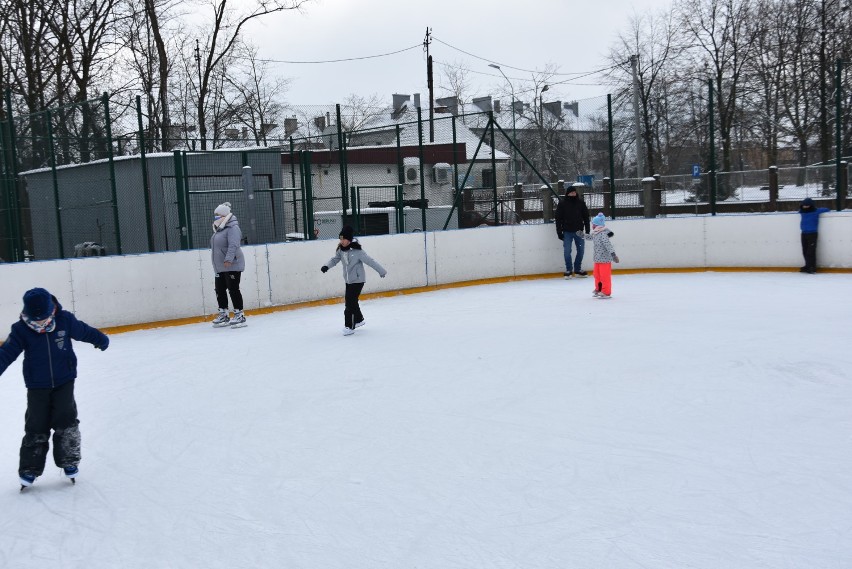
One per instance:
(225, 245)
(353, 261)
(604, 251)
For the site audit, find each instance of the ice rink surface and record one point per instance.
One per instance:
(692, 421)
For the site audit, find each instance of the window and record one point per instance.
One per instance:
(487, 178)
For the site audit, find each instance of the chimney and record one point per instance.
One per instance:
(399, 101)
(555, 108)
(497, 107)
(319, 122)
(483, 103)
(291, 125)
(416, 100)
(451, 103)
(573, 106)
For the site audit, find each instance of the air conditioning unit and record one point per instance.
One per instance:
(411, 169)
(442, 173)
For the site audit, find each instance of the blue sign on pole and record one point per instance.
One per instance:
(696, 170)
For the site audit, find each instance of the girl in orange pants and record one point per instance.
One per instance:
(604, 255)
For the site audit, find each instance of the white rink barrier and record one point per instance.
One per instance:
(139, 289)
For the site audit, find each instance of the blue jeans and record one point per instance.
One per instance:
(568, 239)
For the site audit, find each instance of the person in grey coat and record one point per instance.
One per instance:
(228, 264)
(353, 258)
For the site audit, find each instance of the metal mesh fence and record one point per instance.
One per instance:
(69, 181)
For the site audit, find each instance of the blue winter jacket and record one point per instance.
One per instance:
(49, 359)
(810, 219)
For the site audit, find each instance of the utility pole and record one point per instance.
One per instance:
(634, 64)
(201, 128)
(431, 84)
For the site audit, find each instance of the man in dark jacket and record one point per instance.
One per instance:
(43, 334)
(572, 222)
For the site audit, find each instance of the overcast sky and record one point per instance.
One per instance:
(575, 35)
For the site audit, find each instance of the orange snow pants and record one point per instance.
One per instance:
(603, 278)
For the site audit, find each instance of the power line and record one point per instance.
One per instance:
(340, 60)
(582, 73)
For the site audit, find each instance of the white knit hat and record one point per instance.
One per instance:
(223, 209)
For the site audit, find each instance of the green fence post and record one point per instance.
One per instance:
(308, 185)
(146, 187)
(49, 119)
(839, 185)
(14, 201)
(493, 165)
(712, 151)
(341, 152)
(105, 99)
(292, 163)
(190, 237)
(181, 200)
(611, 158)
(422, 178)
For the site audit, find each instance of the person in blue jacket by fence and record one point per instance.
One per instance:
(43, 334)
(810, 231)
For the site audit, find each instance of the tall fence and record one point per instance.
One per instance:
(77, 182)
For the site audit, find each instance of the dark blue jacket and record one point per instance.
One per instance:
(810, 219)
(49, 359)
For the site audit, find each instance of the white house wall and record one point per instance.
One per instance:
(133, 289)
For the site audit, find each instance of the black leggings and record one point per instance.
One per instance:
(809, 249)
(50, 409)
(352, 313)
(228, 282)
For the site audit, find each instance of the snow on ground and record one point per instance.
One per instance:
(693, 421)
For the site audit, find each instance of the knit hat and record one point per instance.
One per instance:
(347, 232)
(599, 220)
(807, 202)
(223, 209)
(38, 304)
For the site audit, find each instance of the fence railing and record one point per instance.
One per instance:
(70, 187)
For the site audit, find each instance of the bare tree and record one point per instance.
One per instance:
(724, 35)
(221, 35)
(358, 111)
(652, 37)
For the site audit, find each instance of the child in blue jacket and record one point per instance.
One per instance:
(810, 225)
(44, 333)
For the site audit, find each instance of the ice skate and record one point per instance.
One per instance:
(239, 319)
(567, 276)
(361, 323)
(221, 319)
(348, 331)
(581, 274)
(26, 480)
(71, 473)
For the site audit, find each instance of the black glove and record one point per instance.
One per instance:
(560, 235)
(324, 269)
(609, 233)
(103, 345)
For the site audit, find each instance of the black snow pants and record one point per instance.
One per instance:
(809, 248)
(352, 313)
(52, 408)
(228, 282)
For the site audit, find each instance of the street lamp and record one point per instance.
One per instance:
(514, 131)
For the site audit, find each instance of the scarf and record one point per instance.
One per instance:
(221, 222)
(46, 325)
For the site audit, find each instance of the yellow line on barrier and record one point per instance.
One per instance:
(431, 288)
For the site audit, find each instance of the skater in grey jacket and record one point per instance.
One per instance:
(604, 255)
(228, 264)
(353, 259)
